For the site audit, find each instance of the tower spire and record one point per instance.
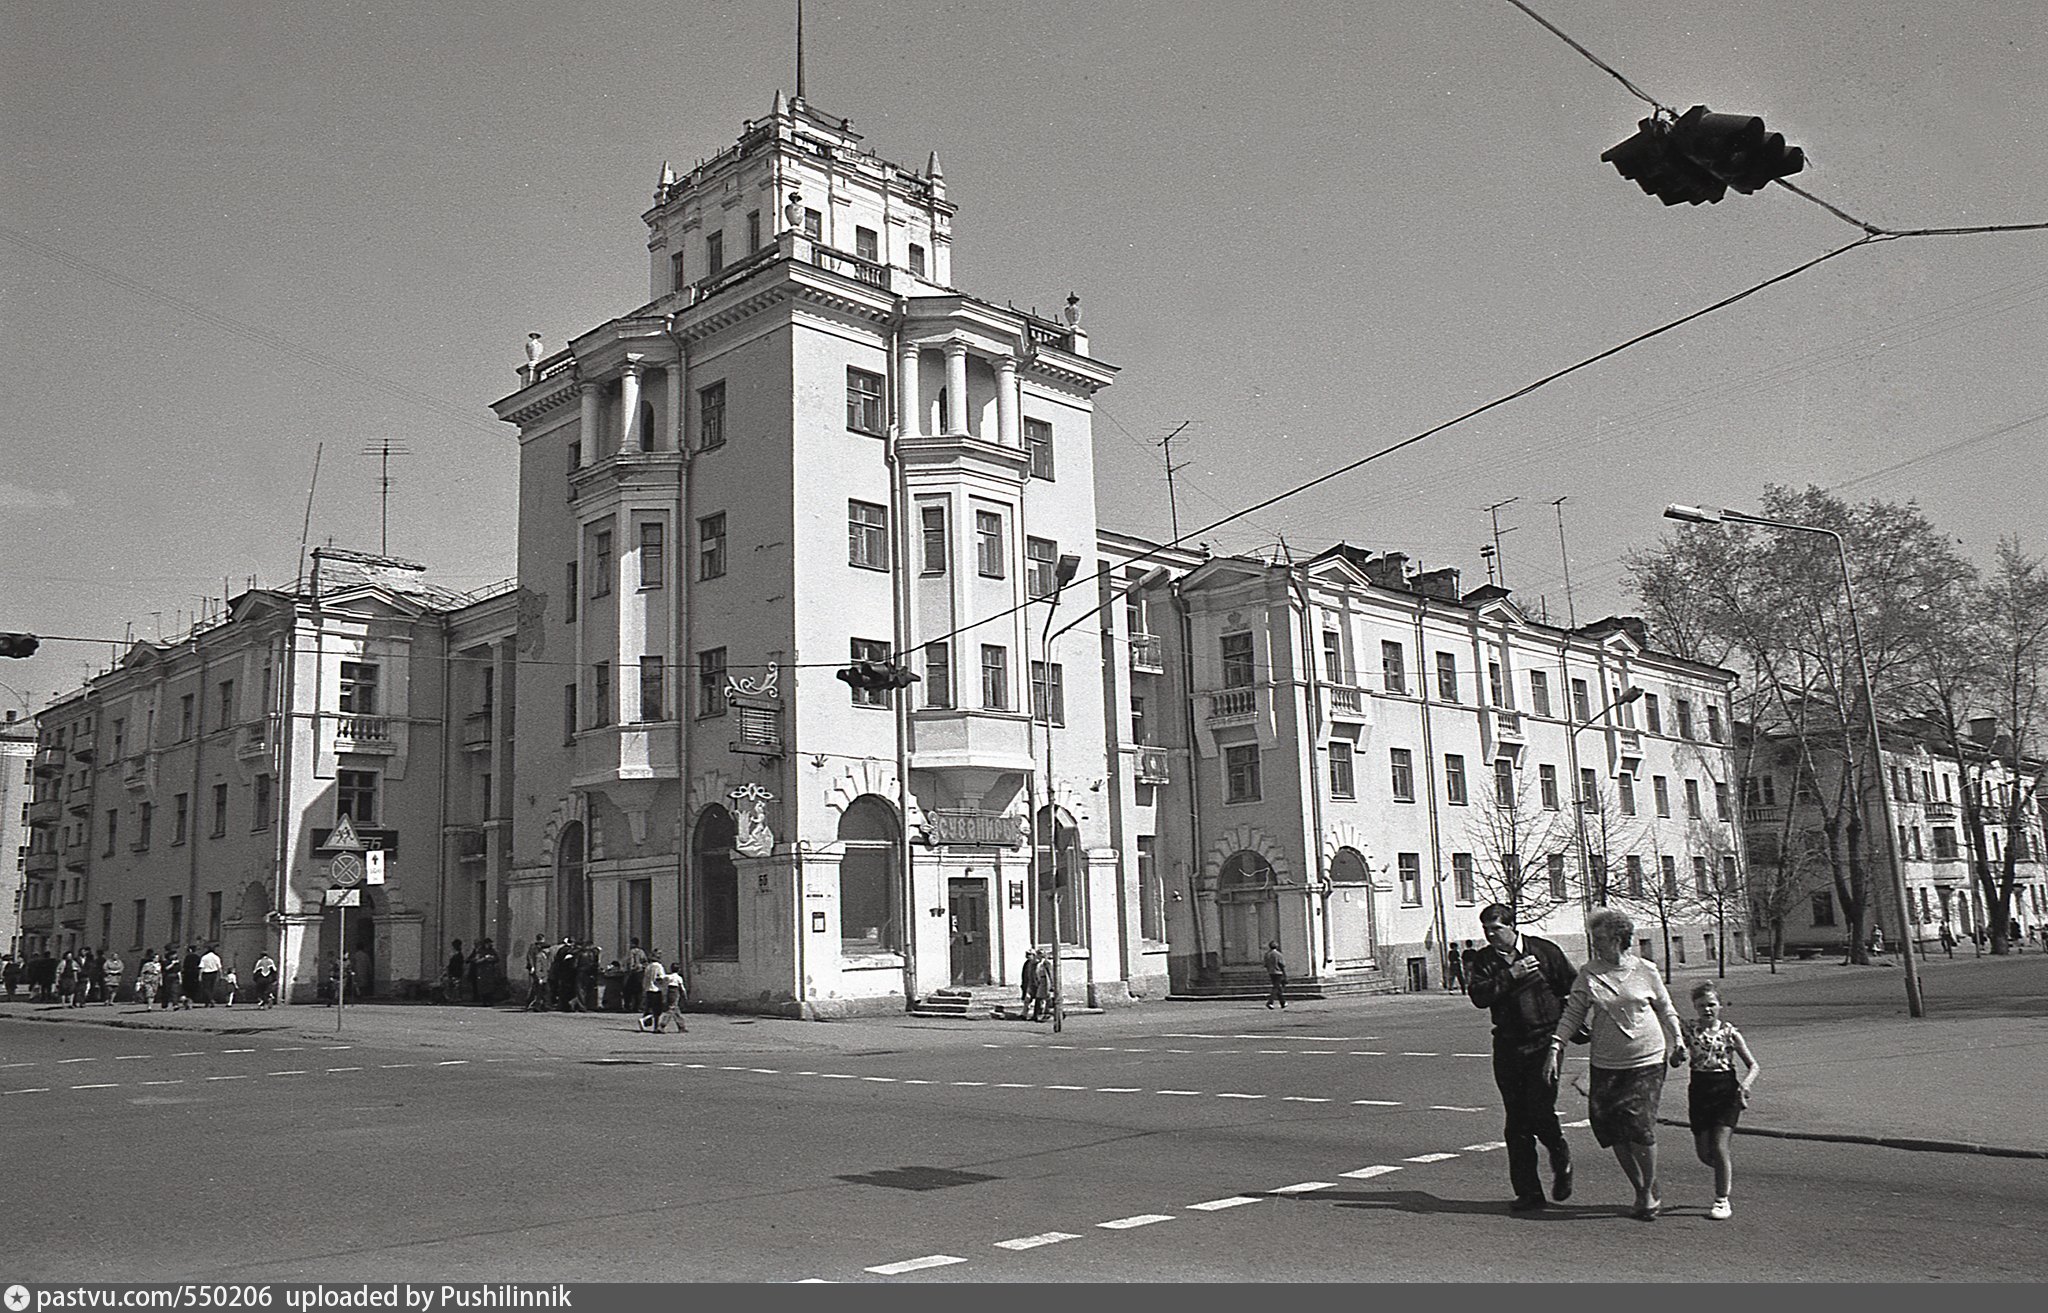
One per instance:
(799, 49)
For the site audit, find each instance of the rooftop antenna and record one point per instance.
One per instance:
(1571, 615)
(799, 49)
(306, 529)
(1493, 511)
(384, 450)
(1172, 503)
(1487, 554)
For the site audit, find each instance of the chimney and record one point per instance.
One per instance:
(1389, 570)
(1441, 584)
(1983, 729)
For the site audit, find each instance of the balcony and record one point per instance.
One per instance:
(1941, 811)
(79, 803)
(39, 863)
(1346, 702)
(1233, 705)
(1148, 654)
(970, 740)
(252, 740)
(642, 750)
(1760, 814)
(1507, 725)
(45, 811)
(1153, 766)
(1631, 742)
(135, 771)
(476, 731)
(852, 266)
(371, 734)
(49, 761)
(471, 844)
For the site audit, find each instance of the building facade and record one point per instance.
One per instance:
(17, 781)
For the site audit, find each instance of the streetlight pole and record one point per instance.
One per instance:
(1909, 952)
(1627, 695)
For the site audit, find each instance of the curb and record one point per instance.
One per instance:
(1913, 1144)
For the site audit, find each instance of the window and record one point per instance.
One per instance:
(1151, 891)
(1670, 871)
(988, 544)
(1684, 719)
(1546, 785)
(1661, 788)
(1720, 800)
(1824, 908)
(1038, 442)
(711, 682)
(870, 649)
(866, 245)
(1635, 876)
(1241, 773)
(1496, 695)
(1713, 722)
(753, 231)
(1048, 693)
(1589, 789)
(1402, 764)
(569, 712)
(145, 821)
(864, 402)
(185, 716)
(1041, 567)
(1393, 668)
(1553, 866)
(1653, 718)
(120, 734)
(1341, 784)
(1464, 884)
(814, 224)
(718, 884)
(113, 830)
(714, 253)
(1944, 843)
(1596, 863)
(1410, 867)
(652, 552)
(569, 606)
(1699, 875)
(220, 810)
(711, 546)
(652, 691)
(711, 416)
(1539, 693)
(1582, 704)
(141, 921)
(177, 918)
(938, 675)
(867, 535)
(1692, 799)
(601, 563)
(1447, 676)
(355, 796)
(1504, 783)
(181, 815)
(1238, 671)
(931, 518)
(1454, 779)
(1624, 712)
(1625, 786)
(1333, 656)
(917, 259)
(600, 694)
(995, 677)
(261, 804)
(1141, 732)
(227, 703)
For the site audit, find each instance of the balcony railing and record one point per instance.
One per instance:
(45, 811)
(365, 733)
(49, 761)
(1153, 767)
(1758, 814)
(1233, 704)
(1941, 811)
(1345, 700)
(253, 740)
(1507, 724)
(1148, 654)
(853, 266)
(135, 769)
(476, 729)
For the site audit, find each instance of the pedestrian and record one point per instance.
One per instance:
(1027, 983)
(1635, 1034)
(588, 959)
(1042, 986)
(209, 975)
(2019, 941)
(359, 972)
(1876, 939)
(330, 979)
(97, 973)
(188, 977)
(1948, 940)
(636, 971)
(264, 977)
(1524, 981)
(1276, 974)
(486, 973)
(111, 969)
(649, 990)
(562, 979)
(230, 982)
(451, 977)
(673, 990)
(1718, 1094)
(539, 960)
(67, 978)
(10, 975)
(149, 978)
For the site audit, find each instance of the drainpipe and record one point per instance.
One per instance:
(1315, 784)
(1436, 857)
(681, 653)
(899, 589)
(1187, 703)
(449, 749)
(192, 807)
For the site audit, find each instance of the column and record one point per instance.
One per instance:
(909, 422)
(956, 386)
(629, 405)
(1006, 401)
(672, 439)
(587, 437)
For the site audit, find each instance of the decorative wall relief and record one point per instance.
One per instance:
(750, 810)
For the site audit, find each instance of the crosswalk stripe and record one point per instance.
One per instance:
(1367, 1173)
(1430, 1158)
(915, 1264)
(1036, 1241)
(1486, 1147)
(1218, 1205)
(1303, 1187)
(1142, 1219)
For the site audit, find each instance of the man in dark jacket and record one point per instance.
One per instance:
(1525, 981)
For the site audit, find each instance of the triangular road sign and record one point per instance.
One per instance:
(343, 838)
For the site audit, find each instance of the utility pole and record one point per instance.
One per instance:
(1571, 614)
(1173, 504)
(1493, 513)
(384, 449)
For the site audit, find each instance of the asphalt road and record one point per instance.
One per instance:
(1319, 1144)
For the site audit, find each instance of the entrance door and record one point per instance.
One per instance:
(967, 908)
(1247, 909)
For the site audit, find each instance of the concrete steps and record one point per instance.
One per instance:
(1253, 985)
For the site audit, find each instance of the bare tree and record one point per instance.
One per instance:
(1514, 838)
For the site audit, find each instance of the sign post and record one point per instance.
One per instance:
(344, 873)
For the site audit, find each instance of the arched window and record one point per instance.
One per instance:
(1059, 867)
(870, 895)
(718, 884)
(572, 891)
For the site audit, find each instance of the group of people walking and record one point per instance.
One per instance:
(1616, 1003)
(568, 977)
(477, 975)
(169, 979)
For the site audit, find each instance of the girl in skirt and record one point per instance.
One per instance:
(1717, 1095)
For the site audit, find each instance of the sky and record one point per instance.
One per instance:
(234, 234)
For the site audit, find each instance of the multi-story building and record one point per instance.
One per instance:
(186, 795)
(1351, 759)
(17, 766)
(810, 448)
(1937, 850)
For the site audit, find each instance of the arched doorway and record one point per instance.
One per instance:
(1247, 908)
(1059, 867)
(572, 889)
(870, 894)
(718, 884)
(1349, 909)
(358, 949)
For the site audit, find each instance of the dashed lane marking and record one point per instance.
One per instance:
(1118, 1089)
(762, 1071)
(393, 1066)
(336, 1048)
(227, 1078)
(4, 1066)
(1430, 1158)
(238, 1050)
(1196, 1092)
(1301, 1098)
(33, 1089)
(1240, 1096)
(163, 1082)
(1368, 1053)
(1487, 1146)
(967, 1082)
(1303, 1187)
(288, 1048)
(129, 1057)
(96, 1087)
(453, 1062)
(881, 1080)
(1471, 1055)
(66, 1061)
(1452, 1107)
(1036, 1241)
(1581, 1124)
(1066, 1087)
(1218, 1205)
(1375, 1103)
(334, 1069)
(835, 1075)
(1013, 1085)
(910, 1081)
(1413, 1053)
(1367, 1173)
(915, 1265)
(1127, 1223)
(295, 1072)
(190, 1053)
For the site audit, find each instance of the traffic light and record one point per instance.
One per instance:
(877, 676)
(19, 645)
(1696, 157)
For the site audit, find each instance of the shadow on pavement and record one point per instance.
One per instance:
(1421, 1201)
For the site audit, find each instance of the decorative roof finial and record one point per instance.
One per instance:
(781, 105)
(668, 180)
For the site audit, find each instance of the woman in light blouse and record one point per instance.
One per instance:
(1635, 1034)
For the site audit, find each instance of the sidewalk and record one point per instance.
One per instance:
(1841, 1060)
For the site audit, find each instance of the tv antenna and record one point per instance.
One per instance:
(384, 449)
(1571, 613)
(1173, 503)
(1497, 559)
